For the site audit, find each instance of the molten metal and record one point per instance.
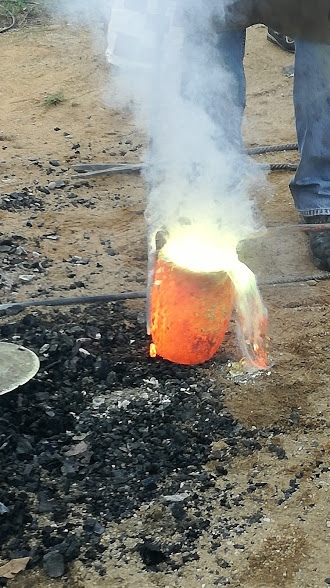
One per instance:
(189, 312)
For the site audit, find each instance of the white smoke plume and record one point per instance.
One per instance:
(168, 59)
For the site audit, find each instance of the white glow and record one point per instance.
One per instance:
(203, 249)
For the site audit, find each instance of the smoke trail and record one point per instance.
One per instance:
(169, 58)
(171, 61)
(81, 10)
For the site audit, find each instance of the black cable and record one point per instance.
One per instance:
(16, 307)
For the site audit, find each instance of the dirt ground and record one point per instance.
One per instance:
(103, 222)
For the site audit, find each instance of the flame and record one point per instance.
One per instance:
(200, 248)
(152, 350)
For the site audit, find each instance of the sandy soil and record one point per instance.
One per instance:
(290, 547)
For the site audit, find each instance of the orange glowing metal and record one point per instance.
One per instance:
(189, 312)
(152, 350)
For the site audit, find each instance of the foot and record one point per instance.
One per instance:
(319, 242)
(281, 40)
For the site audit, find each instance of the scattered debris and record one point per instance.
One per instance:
(14, 567)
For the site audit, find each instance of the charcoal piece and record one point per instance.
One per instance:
(53, 564)
(151, 554)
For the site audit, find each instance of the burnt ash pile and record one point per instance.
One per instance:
(16, 201)
(102, 430)
(18, 265)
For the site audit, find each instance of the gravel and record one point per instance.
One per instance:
(104, 435)
(103, 430)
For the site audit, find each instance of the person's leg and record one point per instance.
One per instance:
(231, 99)
(310, 187)
(223, 96)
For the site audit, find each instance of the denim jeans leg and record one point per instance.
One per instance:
(310, 187)
(230, 101)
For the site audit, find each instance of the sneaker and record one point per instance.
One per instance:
(281, 40)
(319, 242)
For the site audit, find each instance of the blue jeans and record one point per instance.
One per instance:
(310, 187)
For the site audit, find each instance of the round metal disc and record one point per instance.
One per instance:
(17, 366)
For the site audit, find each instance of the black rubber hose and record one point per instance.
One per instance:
(13, 308)
(13, 20)
(16, 307)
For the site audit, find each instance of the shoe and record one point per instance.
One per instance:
(281, 40)
(319, 242)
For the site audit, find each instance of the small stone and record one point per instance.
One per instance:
(53, 564)
(51, 186)
(178, 512)
(176, 497)
(3, 509)
(288, 70)
(72, 551)
(21, 251)
(98, 528)
(151, 553)
(60, 183)
(327, 581)
(43, 189)
(79, 260)
(91, 554)
(54, 162)
(52, 237)
(149, 484)
(57, 129)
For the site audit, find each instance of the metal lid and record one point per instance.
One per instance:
(18, 365)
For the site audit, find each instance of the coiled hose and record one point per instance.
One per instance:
(4, 11)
